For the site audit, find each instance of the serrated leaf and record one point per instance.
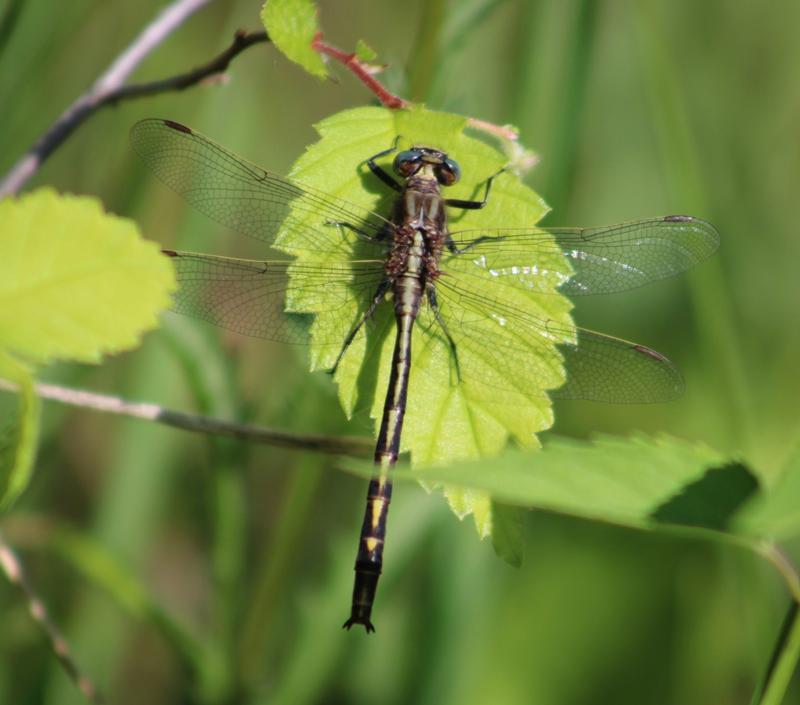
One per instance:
(444, 421)
(620, 480)
(292, 26)
(712, 500)
(365, 52)
(75, 282)
(18, 433)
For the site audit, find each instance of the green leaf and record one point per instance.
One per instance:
(507, 528)
(19, 432)
(711, 501)
(75, 282)
(444, 421)
(292, 26)
(639, 482)
(777, 513)
(365, 52)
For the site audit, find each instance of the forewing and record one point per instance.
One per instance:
(250, 297)
(602, 260)
(249, 199)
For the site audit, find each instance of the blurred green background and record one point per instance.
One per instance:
(637, 108)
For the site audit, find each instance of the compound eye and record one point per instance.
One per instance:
(448, 173)
(407, 163)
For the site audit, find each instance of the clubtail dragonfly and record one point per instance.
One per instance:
(413, 262)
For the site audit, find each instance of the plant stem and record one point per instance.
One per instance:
(425, 53)
(565, 139)
(276, 559)
(111, 88)
(772, 688)
(12, 567)
(199, 424)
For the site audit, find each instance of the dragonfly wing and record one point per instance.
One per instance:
(249, 199)
(498, 344)
(250, 297)
(579, 261)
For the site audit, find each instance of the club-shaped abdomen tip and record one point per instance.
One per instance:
(368, 626)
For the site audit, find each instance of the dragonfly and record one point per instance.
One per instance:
(435, 280)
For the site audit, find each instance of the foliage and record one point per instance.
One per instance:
(76, 283)
(640, 482)
(292, 26)
(635, 112)
(444, 421)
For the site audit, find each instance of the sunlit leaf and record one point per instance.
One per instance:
(75, 282)
(444, 421)
(292, 26)
(18, 432)
(641, 482)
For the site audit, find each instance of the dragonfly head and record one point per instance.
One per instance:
(426, 159)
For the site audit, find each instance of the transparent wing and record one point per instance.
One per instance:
(603, 260)
(494, 339)
(249, 296)
(247, 198)
(499, 345)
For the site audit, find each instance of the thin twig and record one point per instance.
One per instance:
(218, 65)
(361, 70)
(199, 424)
(365, 73)
(110, 88)
(12, 567)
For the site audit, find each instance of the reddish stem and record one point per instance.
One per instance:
(360, 70)
(364, 71)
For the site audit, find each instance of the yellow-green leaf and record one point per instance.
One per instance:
(75, 282)
(292, 26)
(641, 481)
(18, 432)
(444, 421)
(365, 52)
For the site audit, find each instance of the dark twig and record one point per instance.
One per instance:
(218, 65)
(110, 88)
(365, 73)
(12, 567)
(200, 424)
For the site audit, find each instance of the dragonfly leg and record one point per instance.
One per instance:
(474, 205)
(451, 245)
(352, 228)
(430, 292)
(380, 292)
(381, 173)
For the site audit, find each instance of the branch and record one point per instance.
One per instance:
(110, 87)
(12, 567)
(361, 70)
(353, 446)
(365, 73)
